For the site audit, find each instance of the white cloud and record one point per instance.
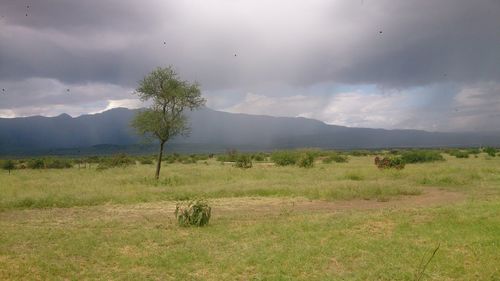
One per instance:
(51, 97)
(127, 103)
(353, 109)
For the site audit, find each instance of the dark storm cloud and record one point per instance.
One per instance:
(268, 48)
(421, 41)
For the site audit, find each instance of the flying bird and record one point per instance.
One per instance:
(380, 32)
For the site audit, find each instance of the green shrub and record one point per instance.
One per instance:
(230, 156)
(188, 160)
(394, 162)
(243, 161)
(117, 160)
(259, 157)
(421, 156)
(460, 154)
(491, 151)
(306, 160)
(193, 213)
(359, 152)
(58, 164)
(284, 158)
(474, 151)
(146, 161)
(8, 165)
(337, 158)
(36, 164)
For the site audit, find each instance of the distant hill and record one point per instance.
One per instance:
(212, 131)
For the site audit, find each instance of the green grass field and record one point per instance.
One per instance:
(339, 221)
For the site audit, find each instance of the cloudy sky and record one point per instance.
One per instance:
(432, 65)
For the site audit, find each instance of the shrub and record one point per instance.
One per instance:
(8, 165)
(36, 164)
(306, 160)
(230, 156)
(243, 161)
(359, 153)
(193, 213)
(146, 161)
(459, 154)
(259, 157)
(284, 158)
(188, 160)
(473, 151)
(118, 160)
(336, 158)
(58, 164)
(390, 163)
(491, 151)
(421, 156)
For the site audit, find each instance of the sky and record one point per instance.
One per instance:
(413, 64)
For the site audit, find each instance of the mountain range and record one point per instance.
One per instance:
(212, 131)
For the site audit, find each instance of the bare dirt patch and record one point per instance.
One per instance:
(244, 206)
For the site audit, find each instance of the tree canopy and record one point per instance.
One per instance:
(169, 98)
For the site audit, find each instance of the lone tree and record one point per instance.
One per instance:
(8, 165)
(170, 97)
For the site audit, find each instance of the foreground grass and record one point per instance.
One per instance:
(357, 179)
(142, 242)
(118, 224)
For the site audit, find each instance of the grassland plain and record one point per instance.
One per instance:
(346, 221)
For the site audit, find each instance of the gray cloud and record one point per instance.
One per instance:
(274, 49)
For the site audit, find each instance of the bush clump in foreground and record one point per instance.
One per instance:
(306, 160)
(390, 163)
(421, 156)
(243, 161)
(284, 158)
(193, 213)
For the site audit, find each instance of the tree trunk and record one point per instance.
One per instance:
(158, 164)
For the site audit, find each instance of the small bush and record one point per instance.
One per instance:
(337, 158)
(491, 151)
(230, 156)
(306, 160)
(284, 158)
(421, 156)
(259, 157)
(390, 163)
(146, 161)
(460, 154)
(58, 164)
(36, 164)
(243, 161)
(8, 165)
(188, 160)
(193, 213)
(359, 152)
(118, 160)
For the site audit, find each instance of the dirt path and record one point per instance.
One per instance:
(253, 206)
(270, 205)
